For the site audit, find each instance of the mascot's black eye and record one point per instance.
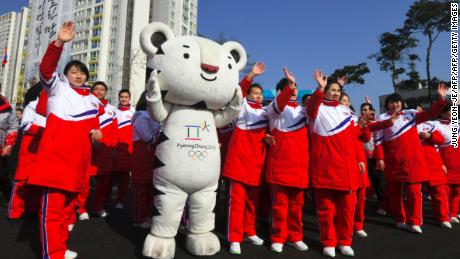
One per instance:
(186, 55)
(230, 66)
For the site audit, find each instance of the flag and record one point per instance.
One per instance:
(5, 57)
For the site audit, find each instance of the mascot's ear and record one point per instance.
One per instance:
(153, 35)
(238, 53)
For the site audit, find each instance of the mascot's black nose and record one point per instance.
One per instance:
(209, 68)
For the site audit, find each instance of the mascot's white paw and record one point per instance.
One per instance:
(202, 244)
(159, 247)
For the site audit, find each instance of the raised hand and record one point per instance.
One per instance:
(442, 90)
(289, 76)
(66, 32)
(363, 122)
(153, 86)
(258, 68)
(367, 100)
(320, 78)
(343, 80)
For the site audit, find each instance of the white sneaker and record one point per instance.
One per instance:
(329, 251)
(71, 227)
(454, 220)
(84, 216)
(69, 254)
(235, 248)
(381, 212)
(347, 250)
(416, 229)
(446, 224)
(299, 245)
(458, 216)
(401, 225)
(103, 214)
(256, 240)
(119, 206)
(361, 233)
(277, 247)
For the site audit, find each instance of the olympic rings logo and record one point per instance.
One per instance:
(197, 155)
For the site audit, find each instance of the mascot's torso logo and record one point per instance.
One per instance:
(195, 132)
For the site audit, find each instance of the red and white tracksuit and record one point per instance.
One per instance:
(287, 168)
(363, 136)
(26, 198)
(405, 164)
(437, 177)
(450, 156)
(145, 133)
(64, 152)
(244, 166)
(334, 168)
(102, 161)
(124, 150)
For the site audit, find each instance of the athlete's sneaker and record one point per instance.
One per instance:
(361, 233)
(329, 251)
(382, 212)
(446, 224)
(454, 220)
(401, 225)
(277, 247)
(70, 226)
(84, 216)
(415, 229)
(299, 245)
(69, 254)
(347, 250)
(256, 240)
(235, 248)
(103, 214)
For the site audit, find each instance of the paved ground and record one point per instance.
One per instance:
(116, 238)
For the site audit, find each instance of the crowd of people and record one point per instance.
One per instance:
(70, 134)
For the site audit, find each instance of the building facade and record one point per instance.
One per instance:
(12, 36)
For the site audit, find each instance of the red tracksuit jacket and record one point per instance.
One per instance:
(125, 139)
(287, 161)
(334, 155)
(64, 153)
(247, 150)
(103, 157)
(401, 148)
(32, 126)
(436, 174)
(450, 155)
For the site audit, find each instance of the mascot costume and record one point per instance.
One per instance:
(192, 90)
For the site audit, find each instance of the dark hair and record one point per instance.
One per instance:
(20, 110)
(305, 96)
(394, 98)
(281, 84)
(256, 85)
(330, 83)
(344, 94)
(124, 91)
(352, 108)
(32, 94)
(79, 65)
(366, 104)
(142, 102)
(99, 83)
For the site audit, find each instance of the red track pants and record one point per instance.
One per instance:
(123, 182)
(413, 207)
(287, 203)
(335, 211)
(454, 199)
(54, 230)
(24, 198)
(141, 202)
(243, 200)
(82, 198)
(359, 210)
(440, 201)
(103, 191)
